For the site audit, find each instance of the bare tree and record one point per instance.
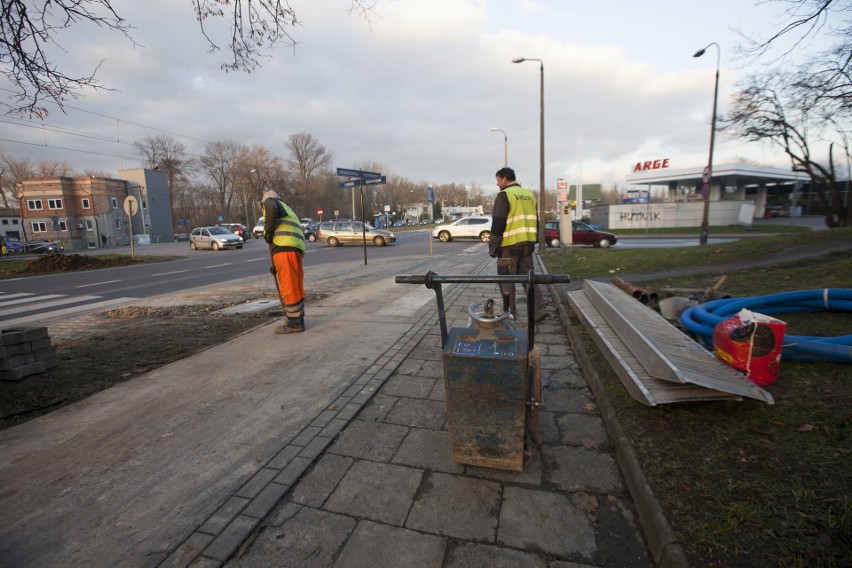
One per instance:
(221, 162)
(30, 30)
(761, 112)
(307, 157)
(171, 157)
(802, 104)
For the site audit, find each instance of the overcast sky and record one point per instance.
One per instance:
(418, 88)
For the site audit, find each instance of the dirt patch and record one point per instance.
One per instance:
(56, 262)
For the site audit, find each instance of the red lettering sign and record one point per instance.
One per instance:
(651, 165)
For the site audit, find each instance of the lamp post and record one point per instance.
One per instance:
(541, 205)
(708, 174)
(505, 146)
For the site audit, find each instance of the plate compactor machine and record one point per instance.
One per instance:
(492, 375)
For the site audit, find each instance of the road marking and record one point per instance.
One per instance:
(30, 299)
(218, 265)
(408, 304)
(63, 301)
(168, 273)
(255, 259)
(4, 295)
(39, 318)
(97, 283)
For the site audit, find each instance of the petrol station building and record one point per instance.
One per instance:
(739, 193)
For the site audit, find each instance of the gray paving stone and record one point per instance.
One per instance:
(309, 539)
(293, 471)
(407, 385)
(188, 550)
(455, 506)
(418, 413)
(410, 367)
(234, 534)
(474, 555)
(258, 481)
(544, 521)
(266, 501)
(224, 515)
(426, 353)
(566, 376)
(374, 545)
(582, 429)
(438, 391)
(377, 491)
(369, 440)
(377, 408)
(577, 468)
(318, 484)
(428, 449)
(315, 448)
(549, 430)
(433, 368)
(306, 435)
(562, 399)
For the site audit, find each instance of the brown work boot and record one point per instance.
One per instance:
(294, 325)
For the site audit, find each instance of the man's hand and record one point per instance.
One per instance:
(273, 271)
(492, 252)
(268, 238)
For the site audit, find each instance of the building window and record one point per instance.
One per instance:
(5, 221)
(86, 203)
(114, 203)
(60, 226)
(118, 223)
(88, 225)
(38, 227)
(54, 204)
(34, 204)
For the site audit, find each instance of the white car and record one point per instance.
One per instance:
(258, 229)
(214, 238)
(476, 227)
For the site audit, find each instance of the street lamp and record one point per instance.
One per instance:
(708, 174)
(541, 205)
(505, 146)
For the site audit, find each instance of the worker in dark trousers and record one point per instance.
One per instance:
(283, 233)
(514, 232)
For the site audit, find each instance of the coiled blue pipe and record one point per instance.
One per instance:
(702, 319)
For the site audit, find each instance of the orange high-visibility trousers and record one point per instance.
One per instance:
(291, 282)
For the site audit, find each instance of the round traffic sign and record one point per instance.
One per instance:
(706, 176)
(319, 211)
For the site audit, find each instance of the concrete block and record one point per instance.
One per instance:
(458, 507)
(377, 491)
(374, 544)
(15, 361)
(22, 334)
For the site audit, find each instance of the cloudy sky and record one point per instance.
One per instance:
(419, 87)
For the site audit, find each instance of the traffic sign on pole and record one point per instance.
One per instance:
(346, 172)
(376, 181)
(348, 184)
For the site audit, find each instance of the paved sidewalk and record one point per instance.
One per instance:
(385, 492)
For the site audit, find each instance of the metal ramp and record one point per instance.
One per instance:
(655, 361)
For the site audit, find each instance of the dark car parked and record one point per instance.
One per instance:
(41, 247)
(583, 234)
(238, 229)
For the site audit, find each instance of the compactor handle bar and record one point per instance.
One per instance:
(434, 281)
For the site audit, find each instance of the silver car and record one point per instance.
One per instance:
(214, 238)
(344, 231)
(476, 227)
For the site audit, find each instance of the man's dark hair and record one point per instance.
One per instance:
(507, 173)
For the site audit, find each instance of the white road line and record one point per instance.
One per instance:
(97, 283)
(63, 301)
(30, 299)
(218, 265)
(169, 273)
(256, 259)
(38, 318)
(22, 294)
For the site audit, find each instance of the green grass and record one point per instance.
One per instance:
(715, 230)
(746, 483)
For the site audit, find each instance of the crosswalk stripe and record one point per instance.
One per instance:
(65, 300)
(39, 318)
(31, 298)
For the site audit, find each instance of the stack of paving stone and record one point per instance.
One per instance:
(25, 351)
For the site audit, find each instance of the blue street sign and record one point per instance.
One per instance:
(430, 194)
(376, 181)
(347, 184)
(346, 172)
(221, 218)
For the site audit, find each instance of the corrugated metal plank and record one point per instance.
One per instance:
(662, 349)
(641, 386)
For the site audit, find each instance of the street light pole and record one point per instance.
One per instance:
(707, 182)
(505, 146)
(541, 204)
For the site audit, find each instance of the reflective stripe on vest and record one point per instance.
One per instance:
(521, 222)
(288, 231)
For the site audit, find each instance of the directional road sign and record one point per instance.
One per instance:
(357, 182)
(345, 172)
(347, 184)
(376, 181)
